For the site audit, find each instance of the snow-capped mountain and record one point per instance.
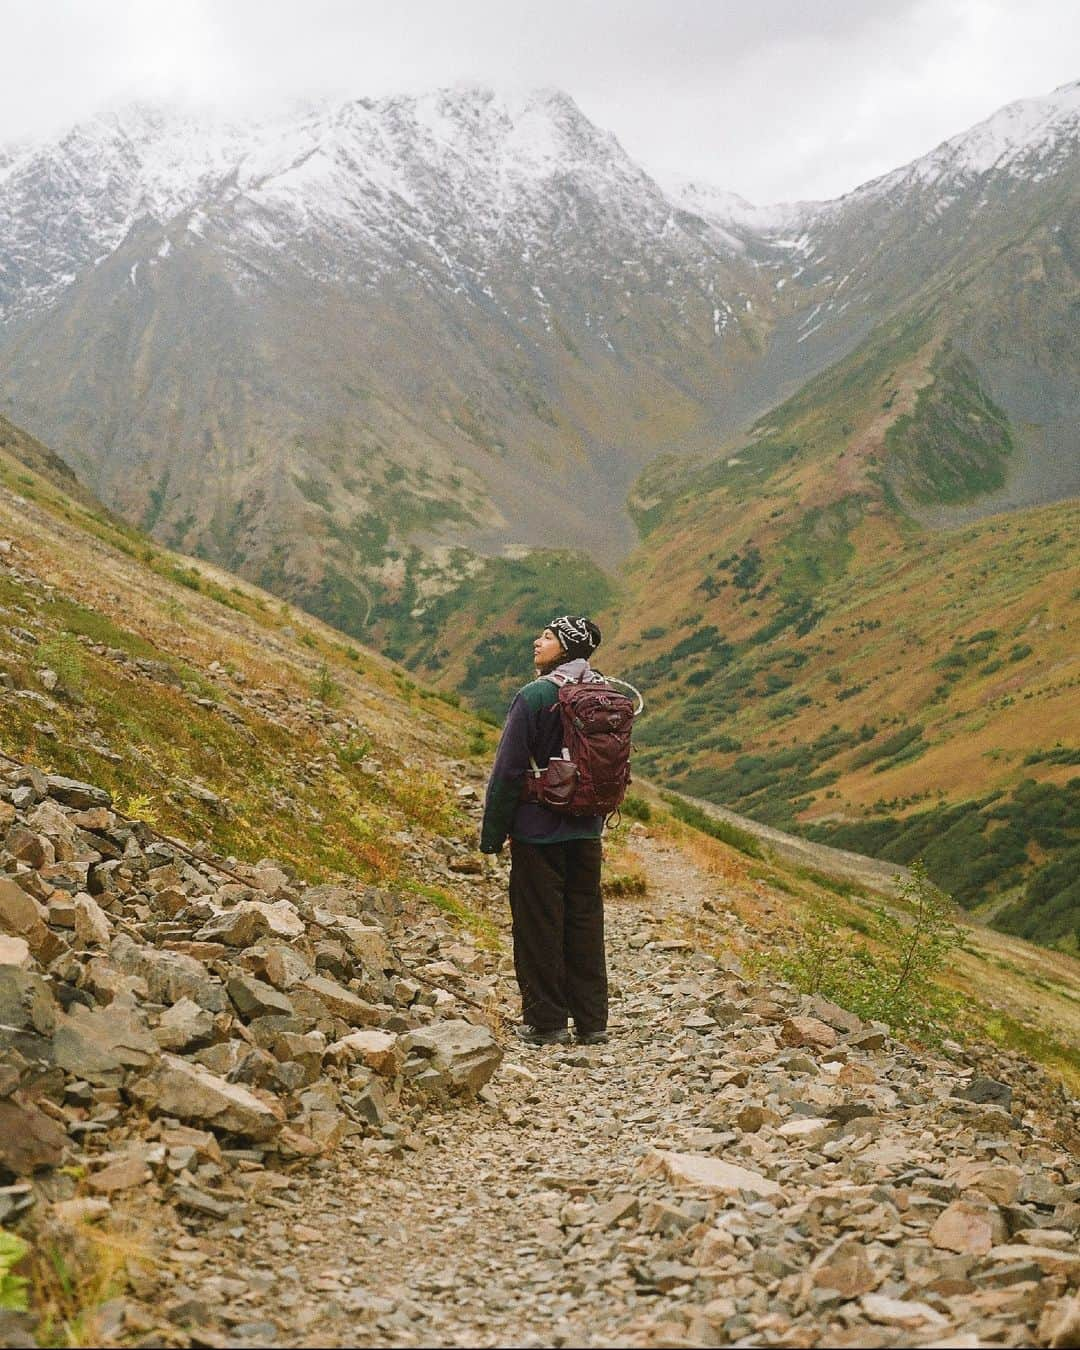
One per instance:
(462, 174)
(1029, 139)
(304, 343)
(501, 283)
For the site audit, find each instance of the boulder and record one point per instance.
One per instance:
(808, 1031)
(104, 1045)
(170, 976)
(73, 793)
(28, 1137)
(832, 1014)
(184, 1026)
(120, 1176)
(805, 1130)
(846, 1268)
(250, 920)
(256, 998)
(986, 1092)
(92, 927)
(752, 1117)
(22, 916)
(1059, 1326)
(27, 1012)
(999, 1183)
(1050, 1260)
(14, 951)
(335, 999)
(191, 1093)
(466, 1055)
(968, 1228)
(366, 942)
(28, 847)
(379, 1050)
(284, 967)
(904, 1313)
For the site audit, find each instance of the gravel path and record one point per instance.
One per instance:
(456, 1242)
(543, 1214)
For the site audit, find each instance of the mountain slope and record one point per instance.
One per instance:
(821, 658)
(464, 317)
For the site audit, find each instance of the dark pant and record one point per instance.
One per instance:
(559, 933)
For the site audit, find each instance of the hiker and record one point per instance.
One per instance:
(555, 903)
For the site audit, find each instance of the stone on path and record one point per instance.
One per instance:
(699, 1169)
(464, 1054)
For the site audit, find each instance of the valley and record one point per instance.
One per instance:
(434, 366)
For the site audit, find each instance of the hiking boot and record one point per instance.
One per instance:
(534, 1036)
(593, 1038)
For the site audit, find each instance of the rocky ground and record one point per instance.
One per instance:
(306, 1102)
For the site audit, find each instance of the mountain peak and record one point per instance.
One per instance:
(1027, 137)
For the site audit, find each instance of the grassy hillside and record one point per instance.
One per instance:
(820, 660)
(211, 709)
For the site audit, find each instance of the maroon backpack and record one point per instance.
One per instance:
(593, 774)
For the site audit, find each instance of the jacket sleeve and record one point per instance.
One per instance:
(507, 777)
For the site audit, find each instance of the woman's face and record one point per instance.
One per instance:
(547, 649)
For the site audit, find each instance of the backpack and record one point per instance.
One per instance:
(592, 777)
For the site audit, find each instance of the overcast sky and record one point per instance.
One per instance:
(775, 99)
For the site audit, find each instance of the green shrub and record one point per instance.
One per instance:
(325, 688)
(896, 982)
(63, 655)
(637, 808)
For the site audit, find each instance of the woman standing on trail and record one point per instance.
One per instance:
(555, 903)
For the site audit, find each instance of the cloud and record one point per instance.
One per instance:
(783, 99)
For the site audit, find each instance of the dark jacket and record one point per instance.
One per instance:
(533, 728)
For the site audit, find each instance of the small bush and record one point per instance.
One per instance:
(425, 799)
(325, 688)
(354, 749)
(895, 982)
(624, 883)
(140, 807)
(637, 808)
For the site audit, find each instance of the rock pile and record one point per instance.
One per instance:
(163, 1018)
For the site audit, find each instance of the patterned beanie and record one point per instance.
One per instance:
(577, 635)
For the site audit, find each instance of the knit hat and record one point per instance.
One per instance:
(577, 635)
